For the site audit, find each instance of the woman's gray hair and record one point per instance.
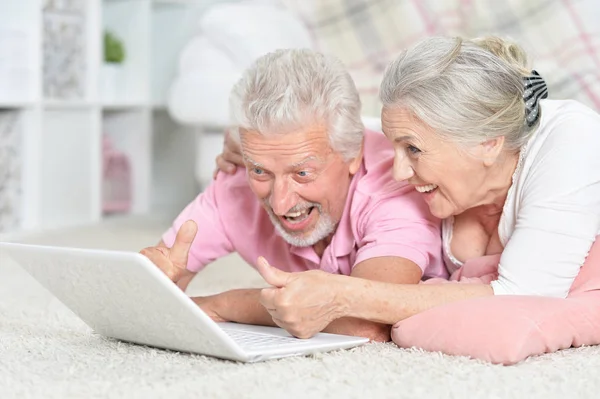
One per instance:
(468, 91)
(294, 88)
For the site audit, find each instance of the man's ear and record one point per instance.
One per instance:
(491, 149)
(355, 163)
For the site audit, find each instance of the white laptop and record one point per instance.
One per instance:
(123, 295)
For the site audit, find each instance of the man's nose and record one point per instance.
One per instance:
(283, 198)
(403, 169)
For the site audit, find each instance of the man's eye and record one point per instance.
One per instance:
(303, 173)
(412, 149)
(258, 171)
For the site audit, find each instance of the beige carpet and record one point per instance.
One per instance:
(47, 352)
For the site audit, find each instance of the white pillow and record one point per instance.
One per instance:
(231, 37)
(200, 92)
(247, 31)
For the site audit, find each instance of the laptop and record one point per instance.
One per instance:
(123, 295)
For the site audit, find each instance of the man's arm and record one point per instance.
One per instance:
(240, 306)
(398, 239)
(305, 303)
(243, 305)
(209, 240)
(385, 269)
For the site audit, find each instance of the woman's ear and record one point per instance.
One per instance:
(491, 149)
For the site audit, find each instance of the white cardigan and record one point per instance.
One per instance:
(552, 212)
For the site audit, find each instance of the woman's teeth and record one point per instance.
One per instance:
(296, 217)
(427, 188)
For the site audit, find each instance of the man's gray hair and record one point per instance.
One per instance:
(294, 88)
(468, 91)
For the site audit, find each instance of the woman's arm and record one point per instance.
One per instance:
(390, 303)
(305, 303)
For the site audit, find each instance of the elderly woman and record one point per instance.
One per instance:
(516, 179)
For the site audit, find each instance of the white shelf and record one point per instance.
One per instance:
(116, 106)
(159, 106)
(130, 21)
(67, 104)
(67, 186)
(16, 105)
(136, 144)
(20, 23)
(61, 163)
(176, 2)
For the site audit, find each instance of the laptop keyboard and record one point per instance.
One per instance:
(254, 341)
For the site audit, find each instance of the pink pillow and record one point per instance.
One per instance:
(508, 329)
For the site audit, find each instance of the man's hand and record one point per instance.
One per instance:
(230, 158)
(302, 303)
(173, 261)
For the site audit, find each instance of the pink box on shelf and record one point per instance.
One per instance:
(116, 179)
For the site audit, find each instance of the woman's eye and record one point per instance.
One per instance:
(413, 150)
(257, 171)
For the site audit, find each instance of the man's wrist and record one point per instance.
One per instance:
(343, 300)
(238, 305)
(221, 308)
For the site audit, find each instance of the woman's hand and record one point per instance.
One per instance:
(230, 158)
(301, 303)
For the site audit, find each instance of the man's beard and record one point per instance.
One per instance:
(325, 226)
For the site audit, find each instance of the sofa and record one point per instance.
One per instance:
(562, 38)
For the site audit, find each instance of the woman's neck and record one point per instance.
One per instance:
(499, 181)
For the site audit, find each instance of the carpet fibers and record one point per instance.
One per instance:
(47, 352)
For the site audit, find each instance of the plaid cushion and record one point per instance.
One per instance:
(562, 37)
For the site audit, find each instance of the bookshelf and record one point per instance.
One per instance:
(55, 109)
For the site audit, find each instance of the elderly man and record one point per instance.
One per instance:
(317, 193)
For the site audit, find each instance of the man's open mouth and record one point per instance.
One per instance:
(297, 217)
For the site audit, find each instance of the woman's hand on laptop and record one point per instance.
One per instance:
(231, 157)
(302, 303)
(173, 261)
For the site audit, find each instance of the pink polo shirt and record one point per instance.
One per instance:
(381, 218)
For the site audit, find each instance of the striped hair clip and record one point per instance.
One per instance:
(535, 89)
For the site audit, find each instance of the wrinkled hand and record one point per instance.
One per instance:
(173, 261)
(302, 303)
(230, 158)
(210, 306)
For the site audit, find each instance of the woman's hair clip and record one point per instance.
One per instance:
(535, 89)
